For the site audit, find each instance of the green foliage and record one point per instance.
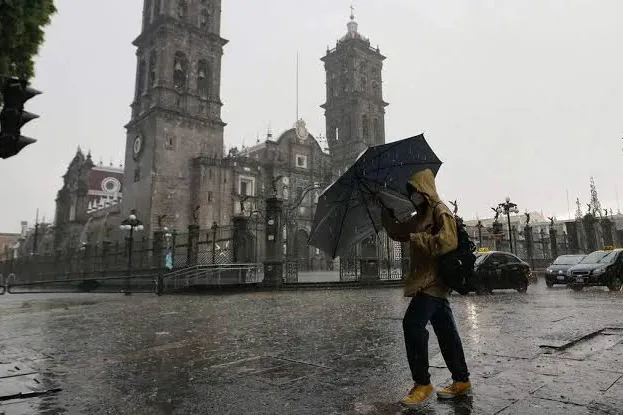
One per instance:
(21, 34)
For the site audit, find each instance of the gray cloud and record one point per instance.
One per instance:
(518, 98)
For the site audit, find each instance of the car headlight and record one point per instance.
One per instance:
(549, 271)
(599, 271)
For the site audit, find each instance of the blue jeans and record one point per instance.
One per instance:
(422, 309)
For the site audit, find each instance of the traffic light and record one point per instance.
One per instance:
(15, 93)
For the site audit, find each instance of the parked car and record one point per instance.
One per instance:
(500, 270)
(600, 268)
(556, 273)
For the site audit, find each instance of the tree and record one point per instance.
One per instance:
(578, 209)
(595, 204)
(21, 34)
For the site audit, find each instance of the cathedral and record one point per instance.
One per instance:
(176, 173)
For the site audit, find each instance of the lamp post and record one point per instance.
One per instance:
(131, 224)
(509, 207)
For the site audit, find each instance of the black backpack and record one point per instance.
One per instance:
(456, 268)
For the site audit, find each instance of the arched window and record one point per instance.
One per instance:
(364, 84)
(147, 13)
(365, 127)
(375, 88)
(180, 70)
(182, 9)
(157, 9)
(140, 80)
(203, 79)
(153, 60)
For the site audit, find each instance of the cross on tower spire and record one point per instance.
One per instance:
(352, 12)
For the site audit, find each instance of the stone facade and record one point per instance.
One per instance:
(354, 110)
(176, 173)
(176, 113)
(84, 204)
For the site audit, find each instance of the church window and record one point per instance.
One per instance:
(210, 174)
(365, 127)
(337, 134)
(180, 70)
(364, 84)
(301, 161)
(137, 174)
(153, 58)
(203, 79)
(182, 9)
(140, 82)
(245, 186)
(209, 196)
(147, 13)
(170, 142)
(157, 9)
(375, 88)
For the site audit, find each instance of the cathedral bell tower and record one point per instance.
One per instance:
(176, 111)
(354, 109)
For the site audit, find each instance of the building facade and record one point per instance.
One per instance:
(176, 112)
(84, 204)
(176, 174)
(354, 108)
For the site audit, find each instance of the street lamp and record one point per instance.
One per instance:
(131, 225)
(509, 207)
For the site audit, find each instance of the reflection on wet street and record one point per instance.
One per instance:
(313, 352)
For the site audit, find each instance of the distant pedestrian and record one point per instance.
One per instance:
(431, 232)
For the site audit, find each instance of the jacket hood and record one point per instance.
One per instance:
(424, 182)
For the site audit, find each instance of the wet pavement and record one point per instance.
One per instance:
(309, 352)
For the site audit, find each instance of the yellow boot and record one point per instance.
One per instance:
(454, 390)
(418, 395)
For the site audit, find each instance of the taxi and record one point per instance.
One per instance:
(603, 268)
(499, 270)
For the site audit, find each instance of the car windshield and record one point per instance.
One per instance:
(594, 258)
(479, 259)
(608, 258)
(568, 259)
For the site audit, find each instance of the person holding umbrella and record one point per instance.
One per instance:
(431, 232)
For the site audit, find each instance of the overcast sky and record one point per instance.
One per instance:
(518, 97)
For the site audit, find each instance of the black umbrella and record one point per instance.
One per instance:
(349, 210)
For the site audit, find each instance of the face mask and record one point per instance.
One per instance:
(417, 199)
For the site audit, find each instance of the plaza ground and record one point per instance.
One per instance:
(303, 352)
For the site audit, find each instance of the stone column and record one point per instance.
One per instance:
(606, 229)
(573, 245)
(498, 233)
(242, 248)
(273, 262)
(193, 245)
(553, 241)
(589, 230)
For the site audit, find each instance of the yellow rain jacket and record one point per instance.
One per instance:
(431, 233)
